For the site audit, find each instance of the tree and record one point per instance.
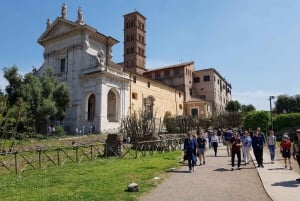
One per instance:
(62, 99)
(287, 104)
(233, 106)
(256, 119)
(247, 108)
(233, 117)
(14, 87)
(37, 99)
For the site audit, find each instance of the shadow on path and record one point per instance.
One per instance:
(291, 183)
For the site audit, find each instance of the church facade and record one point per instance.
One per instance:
(104, 92)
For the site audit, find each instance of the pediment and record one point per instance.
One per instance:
(58, 27)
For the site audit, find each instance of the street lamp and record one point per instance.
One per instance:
(270, 99)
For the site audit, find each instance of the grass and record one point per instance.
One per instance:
(101, 179)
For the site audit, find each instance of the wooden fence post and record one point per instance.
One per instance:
(40, 158)
(16, 162)
(58, 158)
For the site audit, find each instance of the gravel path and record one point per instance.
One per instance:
(211, 182)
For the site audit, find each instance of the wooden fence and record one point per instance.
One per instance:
(17, 162)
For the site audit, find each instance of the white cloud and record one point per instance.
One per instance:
(3, 82)
(259, 99)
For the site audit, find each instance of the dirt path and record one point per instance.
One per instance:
(212, 182)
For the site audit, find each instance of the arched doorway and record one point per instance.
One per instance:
(91, 107)
(112, 112)
(149, 103)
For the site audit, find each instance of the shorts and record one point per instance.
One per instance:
(286, 154)
(201, 151)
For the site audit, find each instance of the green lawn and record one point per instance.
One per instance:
(101, 179)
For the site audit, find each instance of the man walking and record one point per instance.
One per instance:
(258, 141)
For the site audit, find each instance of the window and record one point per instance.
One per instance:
(179, 95)
(206, 78)
(157, 75)
(167, 74)
(191, 92)
(148, 84)
(176, 72)
(134, 96)
(194, 112)
(180, 106)
(63, 65)
(196, 79)
(134, 79)
(203, 97)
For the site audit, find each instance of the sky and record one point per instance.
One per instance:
(253, 44)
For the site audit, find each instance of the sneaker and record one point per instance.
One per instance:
(258, 165)
(239, 168)
(190, 169)
(200, 164)
(285, 167)
(203, 162)
(232, 169)
(262, 166)
(291, 167)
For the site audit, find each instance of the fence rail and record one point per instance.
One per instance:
(18, 162)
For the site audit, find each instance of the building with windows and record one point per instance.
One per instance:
(180, 76)
(103, 92)
(209, 85)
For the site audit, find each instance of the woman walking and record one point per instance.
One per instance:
(235, 150)
(272, 145)
(285, 149)
(246, 147)
(189, 147)
(296, 150)
(201, 142)
(215, 141)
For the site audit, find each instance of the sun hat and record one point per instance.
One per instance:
(285, 136)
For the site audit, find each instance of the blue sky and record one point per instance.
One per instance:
(254, 44)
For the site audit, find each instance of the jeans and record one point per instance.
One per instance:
(272, 151)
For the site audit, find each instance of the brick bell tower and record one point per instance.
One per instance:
(135, 42)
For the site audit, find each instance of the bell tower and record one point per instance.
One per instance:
(135, 42)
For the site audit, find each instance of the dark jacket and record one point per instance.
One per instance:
(258, 141)
(190, 146)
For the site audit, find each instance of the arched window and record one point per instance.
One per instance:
(91, 107)
(149, 103)
(112, 115)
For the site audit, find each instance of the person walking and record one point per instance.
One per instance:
(189, 147)
(272, 145)
(258, 141)
(209, 135)
(296, 150)
(285, 149)
(215, 141)
(227, 137)
(201, 142)
(236, 145)
(246, 147)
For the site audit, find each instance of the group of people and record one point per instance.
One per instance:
(239, 145)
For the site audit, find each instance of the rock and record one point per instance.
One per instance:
(133, 187)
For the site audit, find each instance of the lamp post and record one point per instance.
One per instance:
(270, 99)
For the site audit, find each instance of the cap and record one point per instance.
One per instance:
(285, 136)
(298, 131)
